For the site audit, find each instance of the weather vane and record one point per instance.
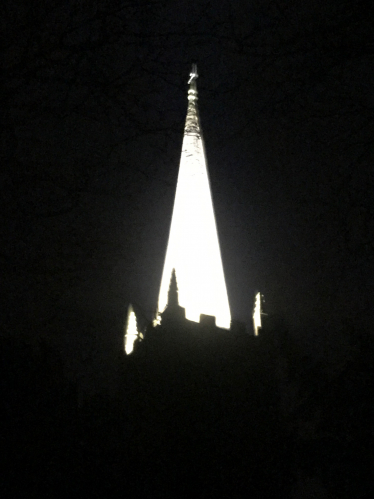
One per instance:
(193, 74)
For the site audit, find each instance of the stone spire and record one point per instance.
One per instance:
(173, 300)
(193, 248)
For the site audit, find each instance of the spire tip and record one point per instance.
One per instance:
(193, 75)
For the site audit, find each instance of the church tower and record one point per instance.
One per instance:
(193, 248)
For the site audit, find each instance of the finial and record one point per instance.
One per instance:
(131, 330)
(257, 312)
(193, 74)
(192, 92)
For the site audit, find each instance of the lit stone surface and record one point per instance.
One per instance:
(257, 314)
(193, 247)
(131, 332)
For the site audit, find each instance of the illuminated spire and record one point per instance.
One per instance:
(131, 331)
(193, 247)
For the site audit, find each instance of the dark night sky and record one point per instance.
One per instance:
(93, 119)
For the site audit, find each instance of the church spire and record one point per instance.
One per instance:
(193, 248)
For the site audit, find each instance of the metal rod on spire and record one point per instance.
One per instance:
(192, 92)
(193, 74)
